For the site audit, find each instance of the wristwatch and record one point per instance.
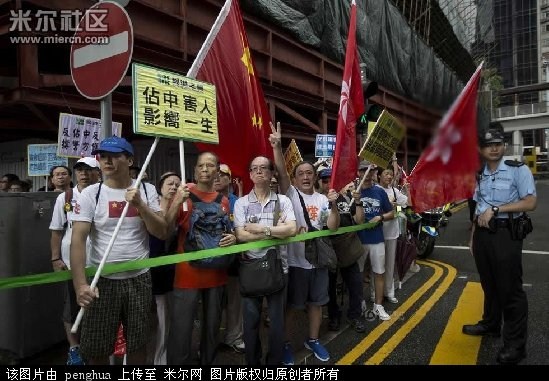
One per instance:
(382, 217)
(267, 231)
(495, 209)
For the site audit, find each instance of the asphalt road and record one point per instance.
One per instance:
(433, 305)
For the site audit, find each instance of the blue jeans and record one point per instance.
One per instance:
(251, 314)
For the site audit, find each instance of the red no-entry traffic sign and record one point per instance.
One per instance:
(101, 50)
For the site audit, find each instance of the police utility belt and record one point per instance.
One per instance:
(519, 227)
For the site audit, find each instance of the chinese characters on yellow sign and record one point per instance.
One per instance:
(167, 104)
(384, 140)
(292, 157)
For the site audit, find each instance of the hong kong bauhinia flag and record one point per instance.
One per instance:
(446, 170)
(243, 117)
(351, 106)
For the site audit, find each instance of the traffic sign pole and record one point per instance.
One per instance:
(106, 116)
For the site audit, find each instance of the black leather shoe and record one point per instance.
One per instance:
(479, 330)
(511, 355)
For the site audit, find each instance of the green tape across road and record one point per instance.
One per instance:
(53, 277)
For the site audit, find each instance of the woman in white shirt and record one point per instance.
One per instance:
(390, 230)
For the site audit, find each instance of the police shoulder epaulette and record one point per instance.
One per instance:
(514, 163)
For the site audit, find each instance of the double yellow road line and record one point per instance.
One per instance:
(453, 347)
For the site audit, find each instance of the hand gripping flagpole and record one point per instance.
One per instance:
(93, 284)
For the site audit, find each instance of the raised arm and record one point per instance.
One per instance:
(276, 142)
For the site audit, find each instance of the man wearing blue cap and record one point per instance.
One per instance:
(505, 189)
(126, 297)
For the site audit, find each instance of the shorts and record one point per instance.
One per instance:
(70, 307)
(307, 286)
(376, 252)
(126, 301)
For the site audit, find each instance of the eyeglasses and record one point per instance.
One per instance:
(325, 181)
(256, 168)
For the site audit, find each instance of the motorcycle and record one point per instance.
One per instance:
(425, 227)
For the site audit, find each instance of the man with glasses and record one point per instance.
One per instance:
(307, 284)
(87, 173)
(503, 187)
(254, 221)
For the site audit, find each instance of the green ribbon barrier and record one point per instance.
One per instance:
(110, 268)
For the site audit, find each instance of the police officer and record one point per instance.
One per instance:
(503, 187)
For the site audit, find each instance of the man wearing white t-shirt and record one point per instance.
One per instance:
(307, 284)
(87, 173)
(126, 297)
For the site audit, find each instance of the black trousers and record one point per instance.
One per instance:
(499, 263)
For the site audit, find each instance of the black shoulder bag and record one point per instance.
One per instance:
(262, 276)
(318, 251)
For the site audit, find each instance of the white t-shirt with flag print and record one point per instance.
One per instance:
(132, 240)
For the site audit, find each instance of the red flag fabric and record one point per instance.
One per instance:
(445, 171)
(116, 208)
(351, 106)
(243, 117)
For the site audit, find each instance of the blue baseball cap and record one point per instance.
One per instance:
(114, 144)
(325, 173)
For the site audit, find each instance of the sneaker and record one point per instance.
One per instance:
(379, 311)
(238, 346)
(358, 325)
(74, 357)
(288, 355)
(318, 349)
(391, 299)
(415, 268)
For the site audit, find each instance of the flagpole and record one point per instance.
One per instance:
(93, 284)
(197, 63)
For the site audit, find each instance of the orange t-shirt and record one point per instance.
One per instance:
(186, 275)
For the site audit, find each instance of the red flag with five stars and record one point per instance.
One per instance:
(116, 208)
(243, 117)
(445, 171)
(351, 105)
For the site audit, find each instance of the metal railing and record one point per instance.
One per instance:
(520, 110)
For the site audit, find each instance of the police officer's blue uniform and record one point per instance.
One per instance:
(499, 258)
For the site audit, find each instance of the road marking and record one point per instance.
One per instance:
(467, 248)
(91, 53)
(455, 348)
(350, 357)
(390, 345)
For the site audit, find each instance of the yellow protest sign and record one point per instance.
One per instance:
(292, 157)
(167, 104)
(383, 140)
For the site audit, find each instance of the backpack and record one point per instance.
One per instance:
(207, 224)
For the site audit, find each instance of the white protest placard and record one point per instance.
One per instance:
(80, 135)
(325, 145)
(42, 157)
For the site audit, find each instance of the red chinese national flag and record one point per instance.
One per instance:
(445, 171)
(116, 208)
(243, 117)
(351, 106)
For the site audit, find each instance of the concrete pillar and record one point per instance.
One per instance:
(517, 143)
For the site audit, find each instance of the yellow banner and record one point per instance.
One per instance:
(169, 105)
(383, 140)
(292, 157)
